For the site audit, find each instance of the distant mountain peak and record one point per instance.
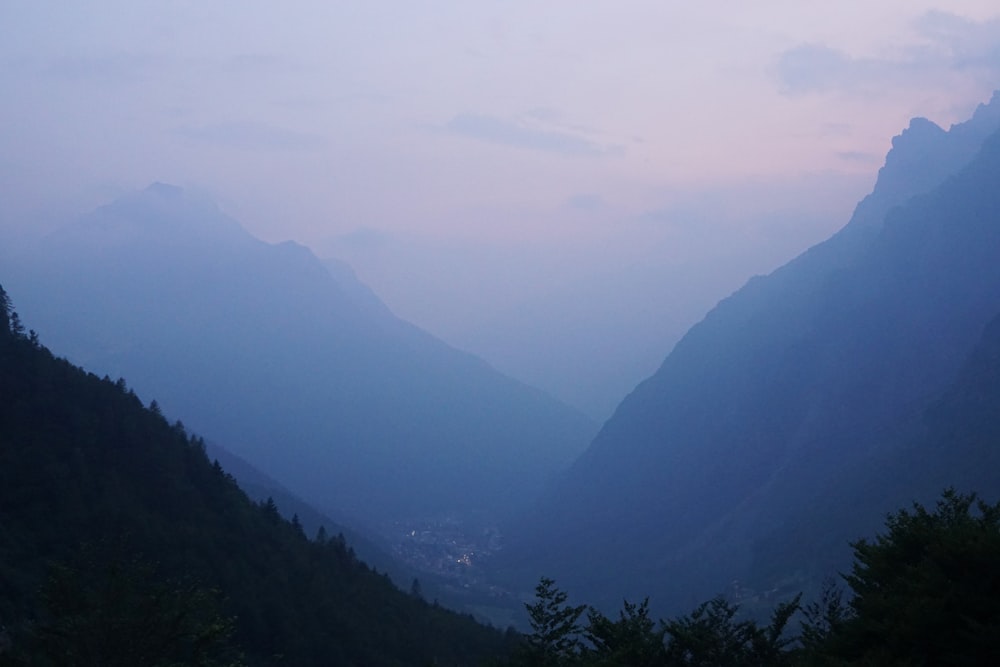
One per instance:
(165, 190)
(924, 154)
(161, 212)
(919, 126)
(920, 136)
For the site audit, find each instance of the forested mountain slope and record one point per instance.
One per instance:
(151, 552)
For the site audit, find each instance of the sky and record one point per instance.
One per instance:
(562, 187)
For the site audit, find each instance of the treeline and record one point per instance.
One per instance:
(924, 592)
(122, 544)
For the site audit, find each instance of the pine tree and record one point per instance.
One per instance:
(555, 629)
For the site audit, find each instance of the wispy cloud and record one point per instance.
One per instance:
(250, 136)
(963, 43)
(529, 134)
(948, 44)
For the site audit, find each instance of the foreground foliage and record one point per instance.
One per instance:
(710, 635)
(925, 592)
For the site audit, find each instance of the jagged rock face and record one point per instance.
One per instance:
(788, 389)
(307, 376)
(924, 155)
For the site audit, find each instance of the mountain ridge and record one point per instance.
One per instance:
(795, 379)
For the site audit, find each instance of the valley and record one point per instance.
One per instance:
(499, 334)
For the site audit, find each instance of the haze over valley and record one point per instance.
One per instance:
(345, 339)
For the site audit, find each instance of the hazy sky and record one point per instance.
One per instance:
(481, 158)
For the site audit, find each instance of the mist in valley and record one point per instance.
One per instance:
(669, 302)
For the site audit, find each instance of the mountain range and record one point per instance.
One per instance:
(858, 377)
